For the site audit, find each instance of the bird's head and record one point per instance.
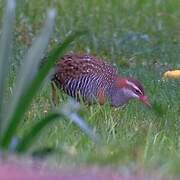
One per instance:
(132, 89)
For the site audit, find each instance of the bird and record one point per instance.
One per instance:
(93, 80)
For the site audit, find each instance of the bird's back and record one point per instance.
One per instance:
(83, 75)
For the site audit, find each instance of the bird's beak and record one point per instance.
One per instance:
(145, 100)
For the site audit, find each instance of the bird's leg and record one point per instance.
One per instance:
(55, 97)
(101, 97)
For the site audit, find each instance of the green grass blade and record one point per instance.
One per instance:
(5, 47)
(28, 95)
(29, 138)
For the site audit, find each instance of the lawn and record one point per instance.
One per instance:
(142, 39)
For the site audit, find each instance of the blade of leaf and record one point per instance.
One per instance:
(69, 110)
(28, 95)
(33, 57)
(5, 48)
(29, 138)
(29, 68)
(83, 126)
(31, 62)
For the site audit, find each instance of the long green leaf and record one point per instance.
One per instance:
(5, 47)
(33, 88)
(29, 138)
(29, 67)
(34, 55)
(69, 112)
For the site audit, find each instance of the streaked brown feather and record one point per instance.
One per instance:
(74, 66)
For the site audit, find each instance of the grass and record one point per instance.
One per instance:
(142, 39)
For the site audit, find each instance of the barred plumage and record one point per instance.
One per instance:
(93, 80)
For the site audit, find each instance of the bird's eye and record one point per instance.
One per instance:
(137, 91)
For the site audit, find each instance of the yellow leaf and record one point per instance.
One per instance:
(172, 74)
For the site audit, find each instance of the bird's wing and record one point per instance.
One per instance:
(75, 66)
